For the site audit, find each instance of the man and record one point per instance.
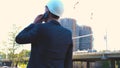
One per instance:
(51, 43)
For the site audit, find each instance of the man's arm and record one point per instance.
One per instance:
(28, 35)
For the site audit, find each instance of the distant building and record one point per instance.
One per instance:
(85, 43)
(5, 62)
(79, 43)
(70, 24)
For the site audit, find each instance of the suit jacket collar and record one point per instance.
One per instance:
(54, 22)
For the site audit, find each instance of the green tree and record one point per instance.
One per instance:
(23, 56)
(11, 48)
(12, 45)
(4, 49)
(25, 53)
(2, 55)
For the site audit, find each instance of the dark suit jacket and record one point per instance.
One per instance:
(51, 45)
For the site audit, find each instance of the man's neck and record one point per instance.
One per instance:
(52, 19)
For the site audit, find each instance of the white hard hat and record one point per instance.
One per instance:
(55, 7)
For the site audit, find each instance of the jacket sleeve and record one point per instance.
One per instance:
(28, 35)
(68, 58)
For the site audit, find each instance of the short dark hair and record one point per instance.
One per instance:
(54, 16)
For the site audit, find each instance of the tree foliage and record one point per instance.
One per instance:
(11, 48)
(2, 55)
(23, 56)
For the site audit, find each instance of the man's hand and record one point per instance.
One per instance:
(39, 19)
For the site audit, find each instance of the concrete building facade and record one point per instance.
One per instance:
(79, 43)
